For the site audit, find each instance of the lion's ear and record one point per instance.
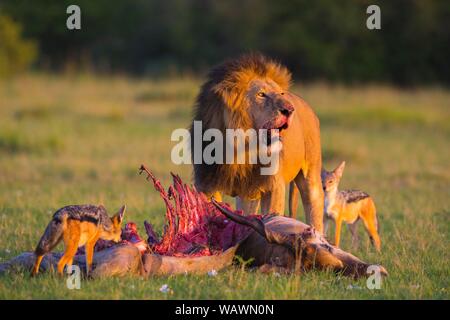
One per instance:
(230, 94)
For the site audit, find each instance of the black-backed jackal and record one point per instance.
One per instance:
(78, 225)
(348, 206)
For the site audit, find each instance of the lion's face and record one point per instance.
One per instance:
(269, 107)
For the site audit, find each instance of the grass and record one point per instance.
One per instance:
(66, 140)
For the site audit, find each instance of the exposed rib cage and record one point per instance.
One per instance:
(194, 226)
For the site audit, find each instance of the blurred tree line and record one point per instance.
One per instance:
(321, 39)
(16, 54)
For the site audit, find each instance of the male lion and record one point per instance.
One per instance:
(252, 92)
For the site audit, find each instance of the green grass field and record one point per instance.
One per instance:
(66, 140)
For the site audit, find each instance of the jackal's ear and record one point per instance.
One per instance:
(121, 213)
(340, 169)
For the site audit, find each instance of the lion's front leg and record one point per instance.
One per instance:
(312, 197)
(273, 201)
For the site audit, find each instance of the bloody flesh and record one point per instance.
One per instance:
(194, 226)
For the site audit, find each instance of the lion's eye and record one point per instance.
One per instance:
(282, 93)
(261, 94)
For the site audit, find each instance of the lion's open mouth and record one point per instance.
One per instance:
(279, 123)
(275, 127)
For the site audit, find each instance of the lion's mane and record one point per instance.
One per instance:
(222, 104)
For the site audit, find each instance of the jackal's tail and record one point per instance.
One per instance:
(51, 237)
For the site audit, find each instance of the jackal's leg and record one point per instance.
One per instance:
(372, 231)
(89, 254)
(354, 231)
(293, 200)
(69, 262)
(369, 217)
(37, 263)
(67, 258)
(71, 240)
(337, 235)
